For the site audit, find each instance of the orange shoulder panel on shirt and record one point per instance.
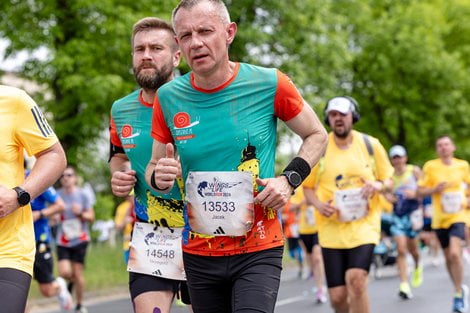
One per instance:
(160, 131)
(288, 102)
(113, 135)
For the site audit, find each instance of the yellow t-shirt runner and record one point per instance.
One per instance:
(343, 170)
(457, 177)
(22, 127)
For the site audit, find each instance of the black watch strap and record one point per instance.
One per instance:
(23, 196)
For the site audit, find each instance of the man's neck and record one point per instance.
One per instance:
(217, 78)
(70, 189)
(447, 160)
(400, 169)
(344, 143)
(148, 95)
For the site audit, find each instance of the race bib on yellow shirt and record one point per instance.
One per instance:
(310, 215)
(220, 203)
(294, 230)
(156, 252)
(451, 202)
(72, 228)
(351, 205)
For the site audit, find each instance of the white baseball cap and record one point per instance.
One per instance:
(397, 150)
(340, 104)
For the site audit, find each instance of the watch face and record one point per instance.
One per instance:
(24, 198)
(295, 179)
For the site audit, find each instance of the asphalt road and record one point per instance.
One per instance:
(296, 295)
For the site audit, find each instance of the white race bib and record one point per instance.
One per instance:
(310, 215)
(72, 228)
(220, 203)
(156, 252)
(416, 218)
(351, 204)
(451, 202)
(294, 230)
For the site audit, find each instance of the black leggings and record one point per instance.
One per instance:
(14, 288)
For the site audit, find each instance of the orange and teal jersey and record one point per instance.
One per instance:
(229, 128)
(131, 119)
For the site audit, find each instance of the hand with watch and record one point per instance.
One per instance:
(278, 190)
(12, 199)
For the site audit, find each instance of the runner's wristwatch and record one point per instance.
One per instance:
(23, 196)
(293, 178)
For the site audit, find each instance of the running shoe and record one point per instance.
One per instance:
(466, 255)
(405, 291)
(64, 296)
(81, 309)
(320, 296)
(461, 301)
(417, 277)
(179, 303)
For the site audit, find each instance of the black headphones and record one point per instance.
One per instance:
(354, 105)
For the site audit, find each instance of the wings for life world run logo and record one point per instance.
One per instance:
(183, 126)
(217, 188)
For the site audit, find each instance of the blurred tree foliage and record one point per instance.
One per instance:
(406, 62)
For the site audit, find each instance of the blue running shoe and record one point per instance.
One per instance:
(461, 303)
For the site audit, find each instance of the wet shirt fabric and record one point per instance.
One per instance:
(344, 170)
(72, 230)
(42, 232)
(131, 119)
(457, 177)
(22, 127)
(229, 128)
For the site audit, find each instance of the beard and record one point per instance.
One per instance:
(154, 80)
(342, 133)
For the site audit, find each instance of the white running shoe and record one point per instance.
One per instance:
(320, 296)
(64, 296)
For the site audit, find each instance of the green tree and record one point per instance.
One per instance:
(88, 64)
(411, 86)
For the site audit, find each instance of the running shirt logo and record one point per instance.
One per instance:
(183, 126)
(128, 135)
(183, 120)
(217, 188)
(126, 131)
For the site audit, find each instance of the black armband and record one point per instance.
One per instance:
(154, 184)
(113, 149)
(300, 166)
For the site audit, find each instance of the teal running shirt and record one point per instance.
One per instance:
(229, 128)
(131, 119)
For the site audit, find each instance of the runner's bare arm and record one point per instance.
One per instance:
(306, 124)
(57, 207)
(49, 164)
(314, 136)
(324, 208)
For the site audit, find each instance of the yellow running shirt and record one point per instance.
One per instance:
(22, 126)
(457, 176)
(347, 169)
